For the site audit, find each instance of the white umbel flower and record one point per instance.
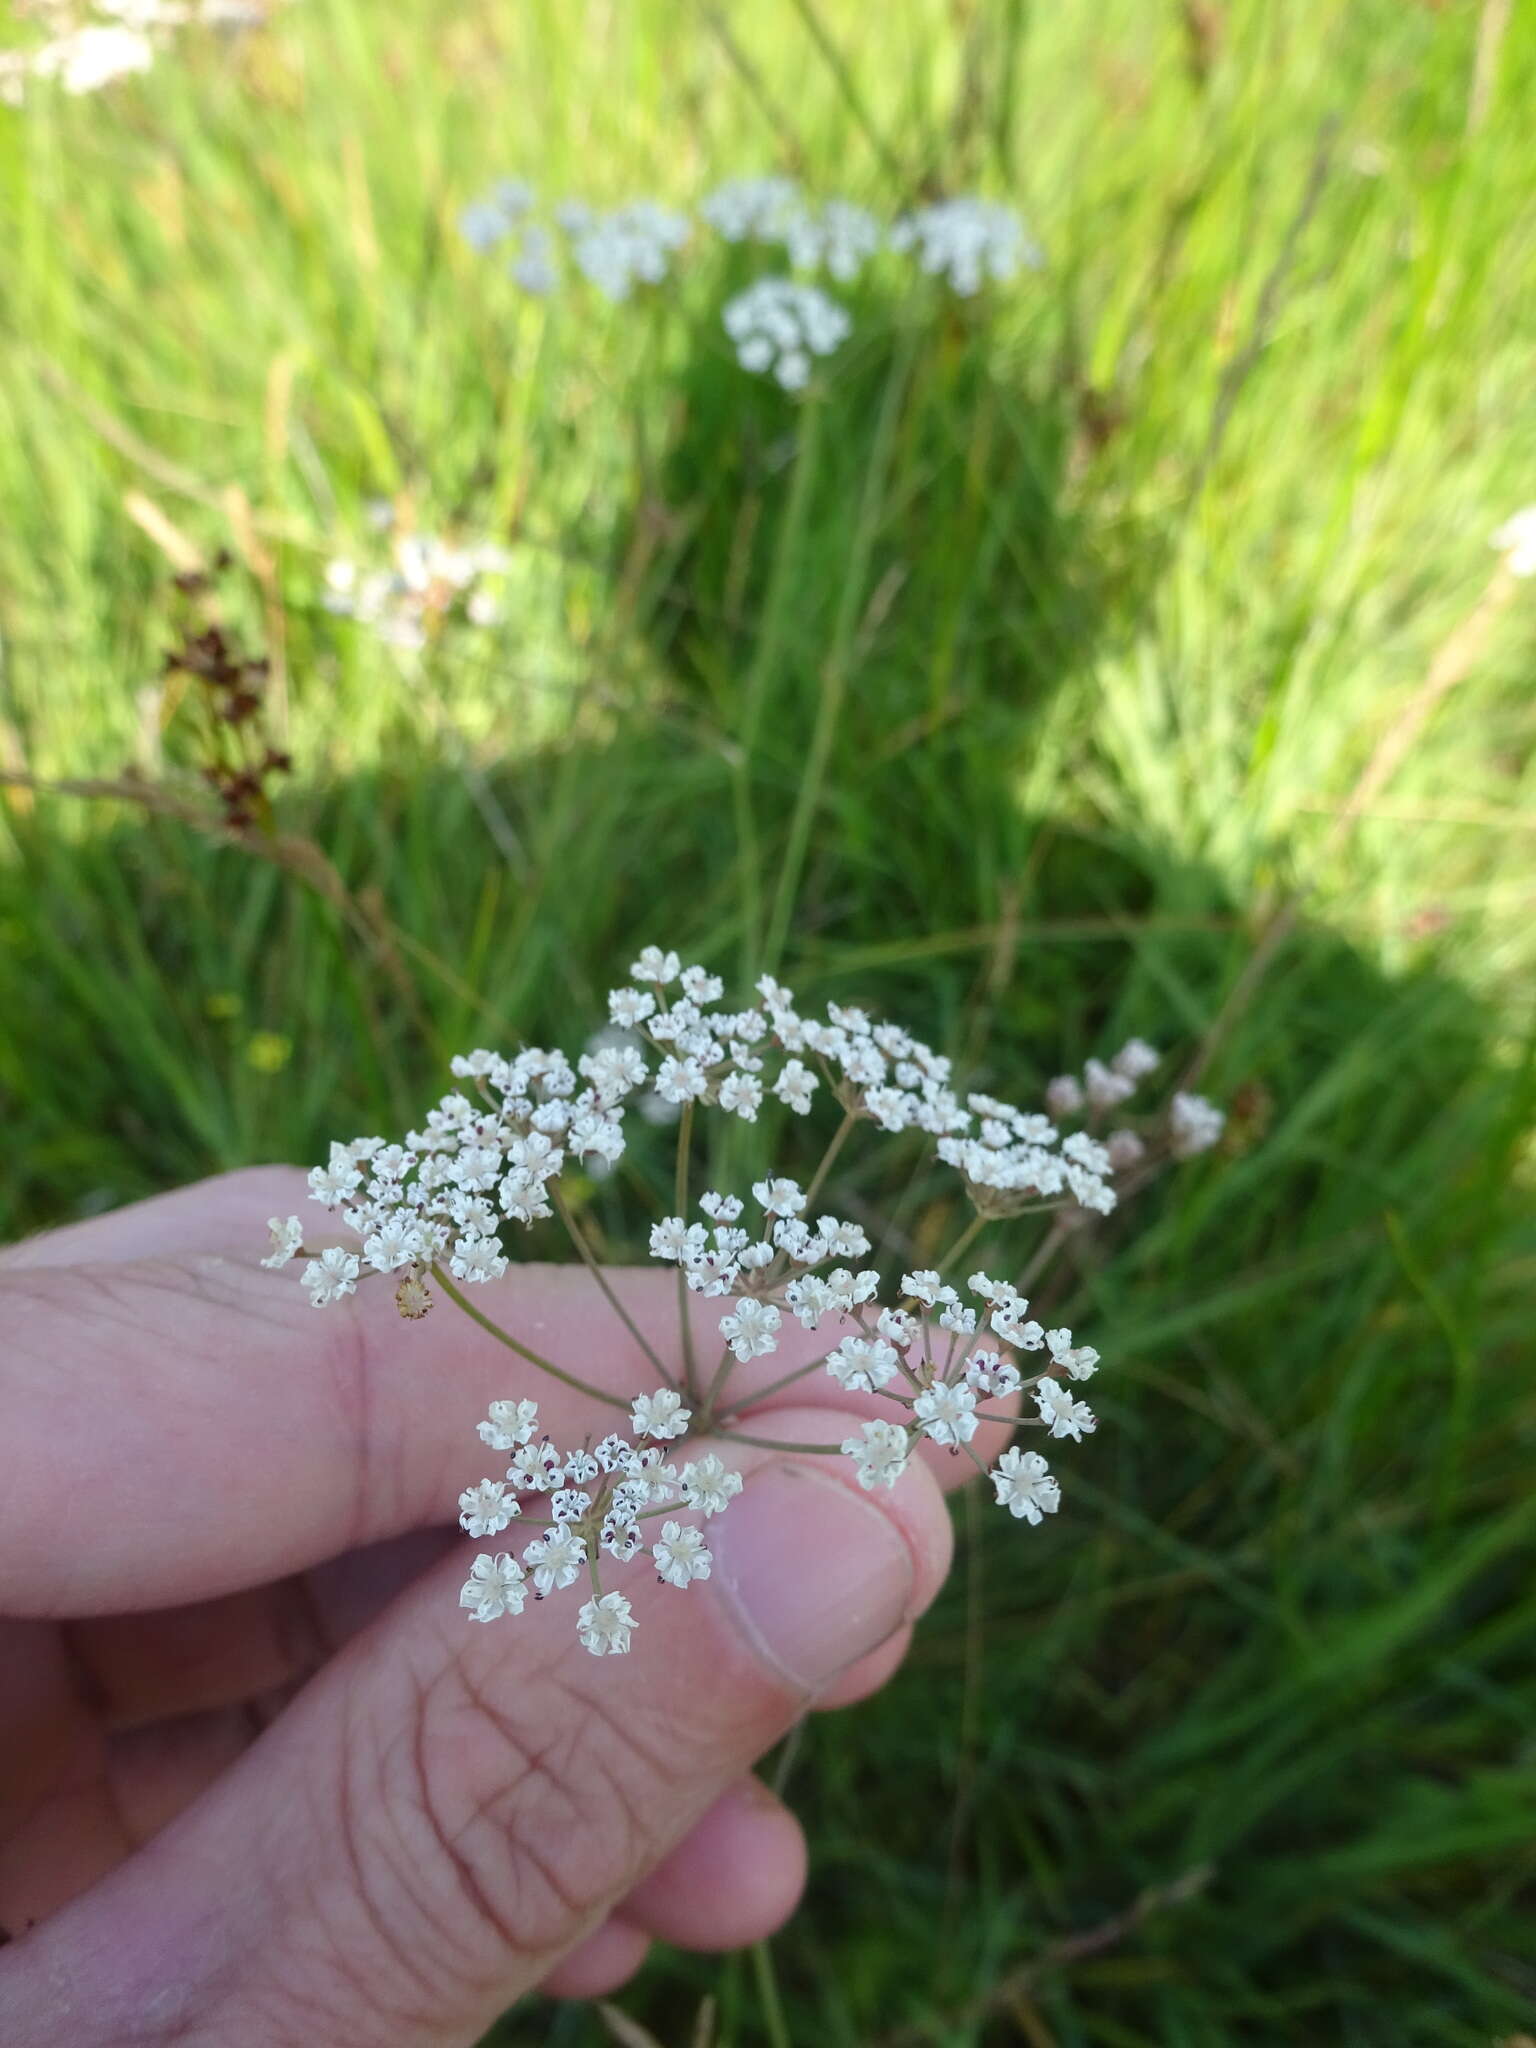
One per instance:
(879, 1453)
(509, 1424)
(1025, 1486)
(1194, 1125)
(605, 1626)
(486, 1509)
(967, 241)
(287, 1239)
(1061, 1414)
(752, 1329)
(681, 1555)
(708, 1486)
(781, 326)
(555, 1560)
(947, 1414)
(331, 1276)
(661, 1415)
(494, 1587)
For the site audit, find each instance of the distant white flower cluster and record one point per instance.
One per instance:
(971, 242)
(425, 581)
(1516, 542)
(431, 1213)
(94, 44)
(781, 324)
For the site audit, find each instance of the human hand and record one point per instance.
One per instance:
(260, 1780)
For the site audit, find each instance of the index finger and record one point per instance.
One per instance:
(177, 1427)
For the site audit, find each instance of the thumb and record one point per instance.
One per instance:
(449, 1809)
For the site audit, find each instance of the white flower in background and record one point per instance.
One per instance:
(1125, 1150)
(1025, 1486)
(1516, 541)
(1194, 1125)
(496, 214)
(535, 266)
(1136, 1059)
(681, 1556)
(427, 583)
(968, 241)
(630, 245)
(781, 326)
(1064, 1095)
(837, 237)
(750, 209)
(606, 1625)
(494, 1588)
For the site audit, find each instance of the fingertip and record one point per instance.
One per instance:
(868, 1675)
(735, 1877)
(604, 1962)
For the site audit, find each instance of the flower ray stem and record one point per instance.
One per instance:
(774, 1443)
(829, 1157)
(760, 1394)
(584, 1253)
(684, 1319)
(963, 1242)
(495, 1330)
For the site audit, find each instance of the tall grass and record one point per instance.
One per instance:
(1022, 679)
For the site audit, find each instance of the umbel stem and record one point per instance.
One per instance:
(544, 1364)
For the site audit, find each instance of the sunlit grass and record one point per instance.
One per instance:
(1023, 675)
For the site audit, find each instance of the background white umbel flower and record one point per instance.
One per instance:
(781, 326)
(938, 1353)
(970, 242)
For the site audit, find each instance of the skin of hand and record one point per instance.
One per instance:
(261, 1779)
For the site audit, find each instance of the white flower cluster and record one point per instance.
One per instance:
(629, 245)
(425, 581)
(588, 1505)
(968, 241)
(1192, 1124)
(489, 1154)
(433, 1210)
(93, 46)
(1516, 542)
(781, 326)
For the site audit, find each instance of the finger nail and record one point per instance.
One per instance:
(816, 1575)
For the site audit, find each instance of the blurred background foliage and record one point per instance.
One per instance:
(1122, 650)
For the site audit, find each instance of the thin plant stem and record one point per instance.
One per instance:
(680, 1191)
(1043, 1254)
(584, 1253)
(768, 1990)
(761, 1394)
(963, 1242)
(774, 1443)
(544, 1365)
(829, 1157)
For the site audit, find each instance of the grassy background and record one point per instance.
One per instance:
(1019, 682)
